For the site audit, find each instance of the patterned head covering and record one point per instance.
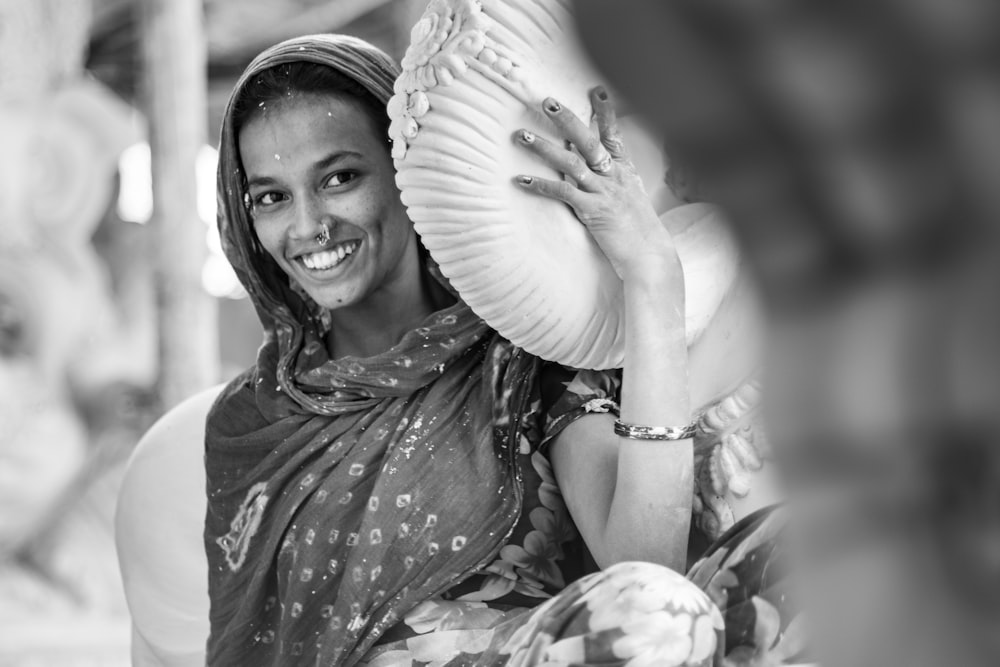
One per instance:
(279, 305)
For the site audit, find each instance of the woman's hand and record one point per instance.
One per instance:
(616, 488)
(606, 193)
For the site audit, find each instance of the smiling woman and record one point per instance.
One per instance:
(393, 482)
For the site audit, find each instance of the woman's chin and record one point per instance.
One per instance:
(334, 294)
(332, 289)
(334, 299)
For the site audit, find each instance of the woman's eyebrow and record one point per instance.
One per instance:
(260, 181)
(322, 163)
(335, 157)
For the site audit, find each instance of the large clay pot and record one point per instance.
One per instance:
(474, 73)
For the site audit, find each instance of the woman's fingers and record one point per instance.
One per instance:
(577, 199)
(607, 123)
(573, 129)
(564, 161)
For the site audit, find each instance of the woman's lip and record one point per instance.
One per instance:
(324, 248)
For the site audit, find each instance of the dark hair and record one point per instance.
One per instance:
(275, 84)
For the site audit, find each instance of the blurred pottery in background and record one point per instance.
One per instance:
(58, 476)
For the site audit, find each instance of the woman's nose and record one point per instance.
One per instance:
(310, 219)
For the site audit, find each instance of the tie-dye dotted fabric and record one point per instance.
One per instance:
(323, 529)
(326, 531)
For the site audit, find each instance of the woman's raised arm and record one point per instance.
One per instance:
(631, 499)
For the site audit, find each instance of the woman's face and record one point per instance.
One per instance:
(314, 160)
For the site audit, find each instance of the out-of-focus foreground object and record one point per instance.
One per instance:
(856, 147)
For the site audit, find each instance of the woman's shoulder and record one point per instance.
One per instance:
(159, 524)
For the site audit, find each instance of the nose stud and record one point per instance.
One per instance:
(324, 236)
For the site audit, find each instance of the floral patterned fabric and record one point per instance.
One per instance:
(745, 572)
(629, 615)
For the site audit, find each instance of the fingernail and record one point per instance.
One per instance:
(602, 94)
(527, 137)
(552, 106)
(524, 180)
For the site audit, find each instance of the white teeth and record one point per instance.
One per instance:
(327, 259)
(320, 260)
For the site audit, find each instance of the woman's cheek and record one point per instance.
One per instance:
(272, 246)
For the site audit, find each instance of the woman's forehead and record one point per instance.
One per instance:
(299, 106)
(307, 123)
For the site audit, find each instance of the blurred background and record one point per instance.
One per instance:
(112, 308)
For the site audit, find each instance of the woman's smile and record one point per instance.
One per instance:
(323, 262)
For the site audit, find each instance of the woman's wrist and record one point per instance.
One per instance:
(654, 266)
(654, 296)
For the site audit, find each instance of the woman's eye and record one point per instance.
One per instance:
(340, 178)
(269, 198)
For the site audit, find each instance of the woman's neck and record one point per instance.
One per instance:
(381, 320)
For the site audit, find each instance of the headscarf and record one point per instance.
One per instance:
(343, 492)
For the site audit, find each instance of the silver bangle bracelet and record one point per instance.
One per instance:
(637, 432)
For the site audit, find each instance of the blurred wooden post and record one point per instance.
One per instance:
(175, 103)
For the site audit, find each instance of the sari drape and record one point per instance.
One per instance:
(324, 530)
